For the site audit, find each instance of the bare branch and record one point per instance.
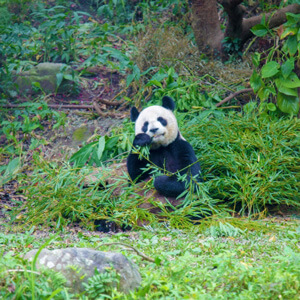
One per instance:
(234, 95)
(145, 257)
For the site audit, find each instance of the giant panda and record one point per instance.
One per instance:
(156, 127)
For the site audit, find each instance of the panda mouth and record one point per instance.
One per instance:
(155, 136)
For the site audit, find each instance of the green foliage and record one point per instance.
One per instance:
(103, 149)
(58, 34)
(18, 9)
(122, 12)
(18, 279)
(250, 162)
(100, 286)
(58, 28)
(187, 90)
(232, 48)
(27, 119)
(10, 171)
(277, 79)
(5, 16)
(249, 265)
(254, 259)
(58, 194)
(21, 130)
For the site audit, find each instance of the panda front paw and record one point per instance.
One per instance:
(142, 139)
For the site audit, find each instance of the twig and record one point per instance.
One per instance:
(106, 102)
(249, 90)
(120, 93)
(145, 257)
(97, 108)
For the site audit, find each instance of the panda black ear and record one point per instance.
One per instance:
(134, 113)
(168, 102)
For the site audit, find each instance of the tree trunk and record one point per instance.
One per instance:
(206, 26)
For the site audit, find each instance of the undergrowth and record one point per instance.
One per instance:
(251, 162)
(58, 195)
(250, 165)
(241, 259)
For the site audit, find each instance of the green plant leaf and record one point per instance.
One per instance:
(293, 18)
(265, 92)
(11, 170)
(292, 44)
(270, 69)
(155, 82)
(292, 81)
(37, 85)
(271, 106)
(81, 157)
(255, 81)
(129, 79)
(288, 31)
(101, 147)
(288, 104)
(259, 30)
(287, 67)
(256, 59)
(287, 91)
(59, 79)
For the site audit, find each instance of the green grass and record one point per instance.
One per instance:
(259, 261)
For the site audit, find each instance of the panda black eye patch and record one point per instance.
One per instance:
(145, 126)
(162, 121)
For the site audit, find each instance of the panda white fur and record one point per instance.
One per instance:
(156, 126)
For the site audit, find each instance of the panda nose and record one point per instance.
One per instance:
(153, 130)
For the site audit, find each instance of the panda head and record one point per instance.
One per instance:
(158, 122)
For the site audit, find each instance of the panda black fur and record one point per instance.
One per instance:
(157, 127)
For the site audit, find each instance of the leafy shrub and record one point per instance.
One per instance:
(29, 117)
(251, 162)
(187, 90)
(277, 78)
(122, 12)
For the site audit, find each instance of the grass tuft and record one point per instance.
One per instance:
(251, 163)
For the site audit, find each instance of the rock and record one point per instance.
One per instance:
(86, 261)
(44, 75)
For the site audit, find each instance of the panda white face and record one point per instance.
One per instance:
(159, 123)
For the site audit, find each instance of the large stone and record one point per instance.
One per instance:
(86, 261)
(45, 74)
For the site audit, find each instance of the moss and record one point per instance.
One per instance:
(81, 134)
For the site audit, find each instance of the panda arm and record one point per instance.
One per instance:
(169, 186)
(135, 167)
(134, 164)
(186, 158)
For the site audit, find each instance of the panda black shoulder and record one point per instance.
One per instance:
(181, 145)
